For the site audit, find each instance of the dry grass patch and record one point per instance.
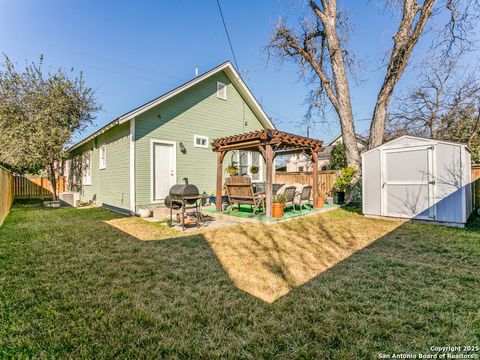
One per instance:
(269, 261)
(143, 230)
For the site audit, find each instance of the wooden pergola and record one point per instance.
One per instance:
(269, 143)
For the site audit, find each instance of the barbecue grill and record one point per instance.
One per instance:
(183, 197)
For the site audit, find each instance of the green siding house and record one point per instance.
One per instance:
(133, 161)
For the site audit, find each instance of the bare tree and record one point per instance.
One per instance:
(413, 22)
(320, 48)
(443, 105)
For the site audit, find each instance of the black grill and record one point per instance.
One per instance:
(171, 204)
(183, 197)
(178, 191)
(177, 195)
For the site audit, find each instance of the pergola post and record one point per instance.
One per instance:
(218, 201)
(269, 155)
(315, 178)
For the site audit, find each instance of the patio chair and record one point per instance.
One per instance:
(239, 190)
(290, 192)
(304, 197)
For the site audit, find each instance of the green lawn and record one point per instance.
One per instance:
(73, 285)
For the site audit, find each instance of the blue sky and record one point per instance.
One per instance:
(133, 51)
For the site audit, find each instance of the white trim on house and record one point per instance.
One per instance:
(102, 157)
(132, 167)
(152, 169)
(195, 137)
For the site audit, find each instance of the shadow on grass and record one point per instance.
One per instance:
(270, 261)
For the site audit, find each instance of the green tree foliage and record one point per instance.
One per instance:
(338, 159)
(39, 113)
(346, 179)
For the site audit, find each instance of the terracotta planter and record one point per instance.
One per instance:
(277, 210)
(320, 202)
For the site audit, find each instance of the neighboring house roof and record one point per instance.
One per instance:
(325, 154)
(360, 138)
(229, 70)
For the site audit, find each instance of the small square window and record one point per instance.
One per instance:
(103, 157)
(200, 141)
(221, 91)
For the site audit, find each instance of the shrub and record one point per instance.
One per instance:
(344, 180)
(338, 159)
(281, 198)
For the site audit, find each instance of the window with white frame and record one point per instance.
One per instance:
(221, 90)
(102, 155)
(250, 164)
(87, 168)
(200, 141)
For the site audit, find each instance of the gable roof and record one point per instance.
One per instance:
(231, 73)
(390, 142)
(357, 137)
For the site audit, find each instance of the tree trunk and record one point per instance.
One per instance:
(411, 27)
(342, 104)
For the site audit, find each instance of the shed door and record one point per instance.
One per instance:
(408, 183)
(163, 170)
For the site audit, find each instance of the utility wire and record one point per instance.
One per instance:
(228, 36)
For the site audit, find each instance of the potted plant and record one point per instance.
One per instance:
(278, 205)
(320, 201)
(232, 169)
(254, 169)
(213, 198)
(342, 184)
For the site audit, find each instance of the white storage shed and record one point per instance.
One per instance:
(418, 178)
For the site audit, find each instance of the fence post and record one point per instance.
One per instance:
(6, 193)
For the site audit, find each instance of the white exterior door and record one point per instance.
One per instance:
(408, 182)
(164, 172)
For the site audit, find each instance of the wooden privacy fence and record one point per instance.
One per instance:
(475, 184)
(6, 193)
(326, 179)
(36, 186)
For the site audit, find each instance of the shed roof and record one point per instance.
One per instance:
(391, 142)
